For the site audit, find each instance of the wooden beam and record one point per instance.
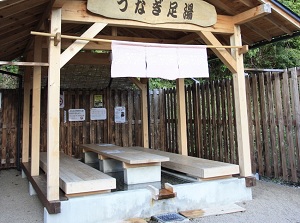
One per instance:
(79, 44)
(88, 58)
(26, 115)
(248, 3)
(181, 114)
(278, 24)
(241, 107)
(76, 11)
(59, 3)
(142, 85)
(31, 64)
(222, 53)
(260, 32)
(53, 110)
(188, 38)
(252, 14)
(36, 109)
(283, 13)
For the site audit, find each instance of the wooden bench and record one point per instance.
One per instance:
(138, 166)
(197, 167)
(76, 177)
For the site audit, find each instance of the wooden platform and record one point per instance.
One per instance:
(138, 166)
(124, 154)
(39, 183)
(197, 167)
(76, 177)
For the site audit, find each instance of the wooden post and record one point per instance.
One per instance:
(26, 114)
(53, 110)
(142, 85)
(241, 107)
(181, 133)
(36, 109)
(144, 105)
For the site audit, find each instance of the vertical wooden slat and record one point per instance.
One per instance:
(289, 129)
(279, 113)
(92, 122)
(130, 117)
(111, 122)
(197, 119)
(5, 110)
(124, 102)
(208, 118)
(271, 113)
(137, 119)
(296, 112)
(230, 120)
(204, 123)
(224, 121)
(251, 130)
(219, 121)
(152, 121)
(163, 122)
(85, 106)
(77, 125)
(214, 129)
(26, 115)
(257, 125)
(265, 125)
(156, 119)
(174, 122)
(168, 114)
(69, 125)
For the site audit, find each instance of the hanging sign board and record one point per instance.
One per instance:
(62, 100)
(98, 114)
(98, 101)
(76, 115)
(196, 12)
(120, 116)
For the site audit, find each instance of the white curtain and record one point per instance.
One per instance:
(151, 60)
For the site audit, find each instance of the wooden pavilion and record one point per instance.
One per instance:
(74, 30)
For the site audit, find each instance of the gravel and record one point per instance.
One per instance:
(272, 202)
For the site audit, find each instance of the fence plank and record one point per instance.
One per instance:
(271, 113)
(224, 121)
(4, 149)
(296, 112)
(197, 120)
(214, 128)
(289, 128)
(280, 126)
(209, 122)
(204, 149)
(265, 126)
(230, 119)
(163, 124)
(257, 125)
(130, 117)
(249, 105)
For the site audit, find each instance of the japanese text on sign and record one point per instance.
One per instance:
(157, 11)
(76, 115)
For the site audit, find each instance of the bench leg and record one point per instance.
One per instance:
(110, 165)
(90, 157)
(140, 175)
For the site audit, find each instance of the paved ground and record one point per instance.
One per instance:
(271, 203)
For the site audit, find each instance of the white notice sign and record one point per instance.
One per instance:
(98, 114)
(76, 115)
(120, 116)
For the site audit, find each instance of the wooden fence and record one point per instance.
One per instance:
(273, 114)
